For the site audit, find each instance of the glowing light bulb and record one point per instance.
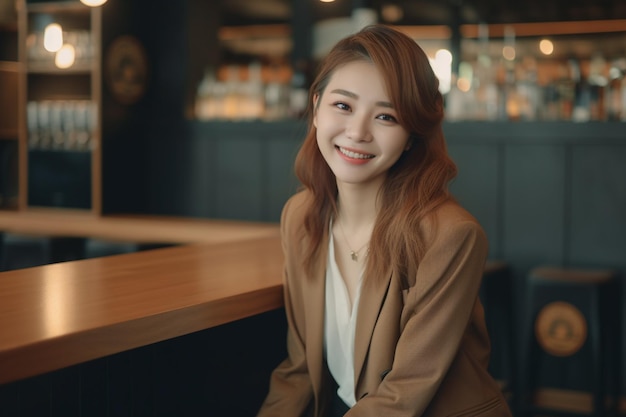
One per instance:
(65, 56)
(508, 52)
(444, 56)
(392, 13)
(546, 47)
(93, 3)
(463, 84)
(53, 37)
(442, 67)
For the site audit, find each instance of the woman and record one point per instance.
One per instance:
(382, 267)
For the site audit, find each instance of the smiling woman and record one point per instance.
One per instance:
(382, 266)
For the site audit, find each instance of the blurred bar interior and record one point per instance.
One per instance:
(146, 112)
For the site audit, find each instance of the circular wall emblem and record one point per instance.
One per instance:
(126, 69)
(561, 329)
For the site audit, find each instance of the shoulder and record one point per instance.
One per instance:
(294, 210)
(451, 222)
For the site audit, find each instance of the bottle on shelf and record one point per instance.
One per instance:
(276, 96)
(252, 104)
(298, 95)
(207, 99)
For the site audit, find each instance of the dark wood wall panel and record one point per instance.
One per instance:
(598, 209)
(282, 182)
(241, 177)
(533, 204)
(477, 187)
(202, 180)
(167, 158)
(598, 217)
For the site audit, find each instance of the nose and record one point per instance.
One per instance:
(358, 129)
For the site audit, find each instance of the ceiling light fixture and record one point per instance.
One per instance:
(546, 46)
(392, 13)
(93, 3)
(65, 57)
(53, 37)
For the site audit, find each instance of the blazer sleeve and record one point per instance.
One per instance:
(439, 307)
(290, 391)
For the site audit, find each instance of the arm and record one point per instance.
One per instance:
(438, 308)
(290, 387)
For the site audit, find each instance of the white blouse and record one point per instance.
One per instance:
(339, 328)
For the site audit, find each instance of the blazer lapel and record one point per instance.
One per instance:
(314, 300)
(373, 295)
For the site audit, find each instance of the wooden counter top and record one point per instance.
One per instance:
(67, 313)
(131, 228)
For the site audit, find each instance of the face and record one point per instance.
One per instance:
(358, 132)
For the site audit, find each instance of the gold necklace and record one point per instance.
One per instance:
(353, 254)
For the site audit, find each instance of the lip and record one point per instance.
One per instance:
(354, 161)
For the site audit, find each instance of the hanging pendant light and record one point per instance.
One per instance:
(93, 3)
(65, 57)
(53, 37)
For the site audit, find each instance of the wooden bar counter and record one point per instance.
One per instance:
(130, 228)
(68, 313)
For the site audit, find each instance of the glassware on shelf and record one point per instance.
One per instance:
(57, 135)
(571, 89)
(62, 125)
(82, 125)
(238, 93)
(276, 97)
(32, 124)
(253, 97)
(615, 96)
(43, 124)
(298, 93)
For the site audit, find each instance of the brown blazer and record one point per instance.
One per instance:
(421, 347)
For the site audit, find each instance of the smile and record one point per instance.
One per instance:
(354, 155)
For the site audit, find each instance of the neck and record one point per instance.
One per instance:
(357, 210)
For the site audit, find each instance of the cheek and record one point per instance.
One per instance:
(324, 128)
(400, 145)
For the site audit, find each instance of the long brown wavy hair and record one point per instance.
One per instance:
(417, 182)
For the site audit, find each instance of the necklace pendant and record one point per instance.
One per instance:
(354, 256)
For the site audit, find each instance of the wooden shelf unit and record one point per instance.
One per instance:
(59, 109)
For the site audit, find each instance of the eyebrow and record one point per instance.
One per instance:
(356, 96)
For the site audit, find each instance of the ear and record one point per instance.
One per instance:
(315, 100)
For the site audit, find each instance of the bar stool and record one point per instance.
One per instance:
(496, 294)
(570, 343)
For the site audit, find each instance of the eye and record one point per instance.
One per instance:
(387, 118)
(341, 106)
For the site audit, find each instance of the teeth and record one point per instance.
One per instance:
(355, 155)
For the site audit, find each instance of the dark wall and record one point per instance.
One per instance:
(223, 170)
(123, 172)
(180, 40)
